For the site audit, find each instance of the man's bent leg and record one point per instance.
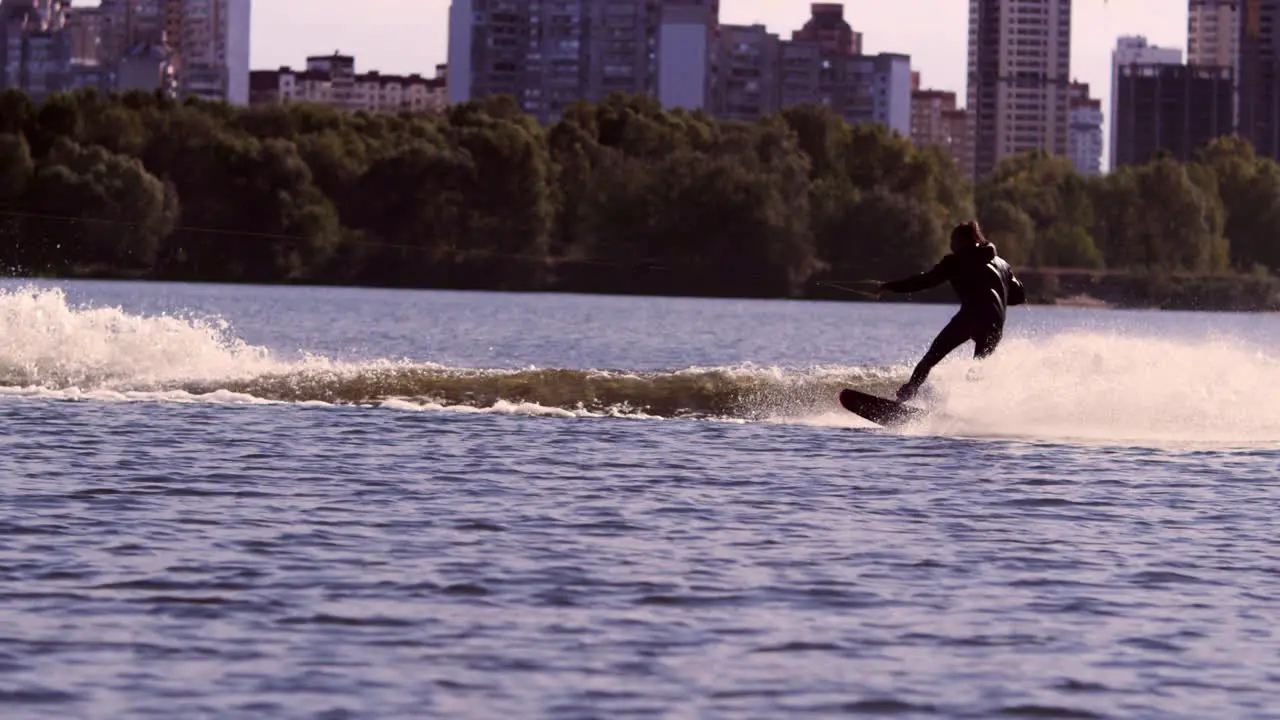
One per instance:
(955, 334)
(986, 341)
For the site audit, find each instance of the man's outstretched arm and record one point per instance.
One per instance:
(921, 281)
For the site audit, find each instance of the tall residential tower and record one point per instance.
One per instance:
(935, 120)
(209, 40)
(549, 54)
(1258, 78)
(1213, 38)
(1086, 130)
(1019, 75)
(1132, 55)
(193, 48)
(1213, 32)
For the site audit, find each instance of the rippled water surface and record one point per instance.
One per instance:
(258, 502)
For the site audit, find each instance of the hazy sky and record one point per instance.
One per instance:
(405, 36)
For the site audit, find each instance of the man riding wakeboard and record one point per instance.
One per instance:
(985, 285)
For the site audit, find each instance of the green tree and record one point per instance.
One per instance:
(1047, 191)
(1186, 233)
(873, 235)
(16, 170)
(104, 208)
(621, 196)
(1249, 190)
(414, 202)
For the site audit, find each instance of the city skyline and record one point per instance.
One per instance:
(285, 32)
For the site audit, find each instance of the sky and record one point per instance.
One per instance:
(406, 36)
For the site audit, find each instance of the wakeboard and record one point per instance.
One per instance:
(888, 413)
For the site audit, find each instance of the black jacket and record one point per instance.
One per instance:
(984, 282)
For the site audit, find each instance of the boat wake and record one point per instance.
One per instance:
(50, 349)
(1078, 385)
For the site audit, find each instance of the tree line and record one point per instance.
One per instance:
(619, 196)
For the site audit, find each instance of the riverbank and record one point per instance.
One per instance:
(1177, 291)
(1105, 289)
(1100, 289)
(619, 197)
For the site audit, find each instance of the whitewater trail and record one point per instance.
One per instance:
(1113, 387)
(1092, 386)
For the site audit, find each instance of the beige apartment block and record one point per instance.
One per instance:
(1019, 75)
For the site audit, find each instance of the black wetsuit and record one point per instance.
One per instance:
(985, 285)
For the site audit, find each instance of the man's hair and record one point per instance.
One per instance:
(969, 232)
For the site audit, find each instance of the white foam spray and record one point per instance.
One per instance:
(1116, 388)
(44, 342)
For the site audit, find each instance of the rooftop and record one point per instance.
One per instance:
(270, 79)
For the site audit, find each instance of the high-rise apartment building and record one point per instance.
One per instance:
(935, 120)
(828, 28)
(36, 53)
(1213, 32)
(85, 27)
(147, 67)
(750, 61)
(48, 14)
(687, 53)
(196, 48)
(1258, 82)
(1133, 51)
(549, 54)
(858, 88)
(209, 40)
(1174, 109)
(927, 107)
(490, 43)
(1019, 73)
(130, 42)
(958, 126)
(1213, 37)
(145, 20)
(823, 65)
(800, 73)
(45, 65)
(889, 78)
(1085, 131)
(111, 22)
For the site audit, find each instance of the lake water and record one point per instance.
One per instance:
(302, 502)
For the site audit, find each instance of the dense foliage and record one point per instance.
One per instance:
(622, 196)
